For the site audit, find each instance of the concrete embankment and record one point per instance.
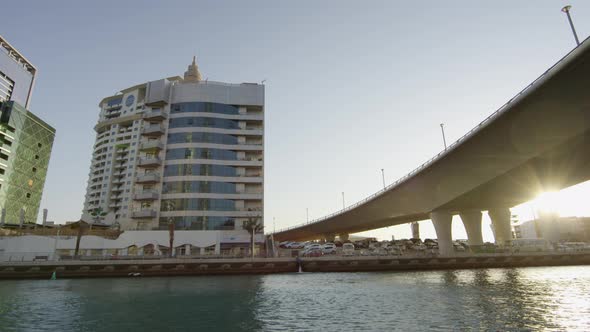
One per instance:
(185, 266)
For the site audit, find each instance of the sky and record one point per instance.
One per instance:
(352, 87)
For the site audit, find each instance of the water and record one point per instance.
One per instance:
(551, 298)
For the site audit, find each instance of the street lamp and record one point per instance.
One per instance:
(566, 10)
(343, 205)
(442, 129)
(307, 214)
(383, 177)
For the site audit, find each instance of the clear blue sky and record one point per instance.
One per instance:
(352, 86)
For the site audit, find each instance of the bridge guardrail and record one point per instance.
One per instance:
(439, 155)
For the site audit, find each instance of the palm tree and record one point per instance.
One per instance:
(81, 226)
(252, 226)
(170, 207)
(97, 214)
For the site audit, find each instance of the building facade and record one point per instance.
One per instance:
(179, 151)
(554, 228)
(25, 141)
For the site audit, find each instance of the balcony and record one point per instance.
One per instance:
(149, 162)
(148, 178)
(153, 130)
(151, 145)
(113, 107)
(155, 115)
(117, 189)
(146, 213)
(146, 196)
(119, 181)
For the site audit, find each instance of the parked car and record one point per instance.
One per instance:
(348, 249)
(295, 245)
(315, 252)
(329, 248)
(311, 247)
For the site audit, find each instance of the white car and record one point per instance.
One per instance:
(311, 247)
(329, 248)
(348, 249)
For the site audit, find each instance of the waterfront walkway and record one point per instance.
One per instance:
(187, 266)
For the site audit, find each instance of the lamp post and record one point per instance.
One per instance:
(383, 177)
(566, 10)
(307, 214)
(343, 205)
(442, 129)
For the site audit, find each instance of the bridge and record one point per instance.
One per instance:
(538, 141)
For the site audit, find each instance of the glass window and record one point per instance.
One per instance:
(201, 153)
(204, 107)
(199, 187)
(203, 122)
(202, 138)
(200, 169)
(198, 223)
(199, 204)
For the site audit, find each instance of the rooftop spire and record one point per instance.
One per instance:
(192, 74)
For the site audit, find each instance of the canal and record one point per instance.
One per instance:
(534, 298)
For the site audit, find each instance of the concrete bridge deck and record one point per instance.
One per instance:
(538, 141)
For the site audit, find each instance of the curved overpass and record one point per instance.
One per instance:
(538, 141)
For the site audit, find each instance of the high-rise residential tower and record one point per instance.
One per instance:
(179, 151)
(25, 141)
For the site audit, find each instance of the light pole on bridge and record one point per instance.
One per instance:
(442, 129)
(566, 10)
(383, 177)
(343, 205)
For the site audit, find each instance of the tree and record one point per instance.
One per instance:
(97, 215)
(81, 227)
(170, 207)
(252, 226)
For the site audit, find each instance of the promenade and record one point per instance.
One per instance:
(233, 266)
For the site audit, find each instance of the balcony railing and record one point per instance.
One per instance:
(148, 178)
(149, 162)
(153, 130)
(152, 145)
(145, 213)
(155, 115)
(146, 196)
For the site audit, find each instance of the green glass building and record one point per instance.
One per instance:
(25, 148)
(25, 141)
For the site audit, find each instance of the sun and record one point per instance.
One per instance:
(549, 202)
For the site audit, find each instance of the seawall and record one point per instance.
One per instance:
(216, 266)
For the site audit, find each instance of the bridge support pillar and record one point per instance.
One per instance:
(501, 225)
(329, 237)
(472, 222)
(415, 230)
(343, 237)
(442, 221)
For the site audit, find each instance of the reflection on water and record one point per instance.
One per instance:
(553, 298)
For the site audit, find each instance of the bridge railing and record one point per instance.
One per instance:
(451, 147)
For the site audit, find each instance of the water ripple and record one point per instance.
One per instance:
(525, 299)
